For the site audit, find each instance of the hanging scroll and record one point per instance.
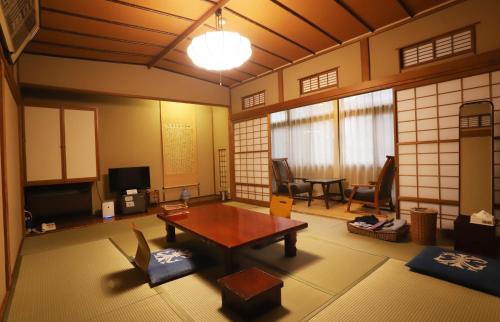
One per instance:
(179, 145)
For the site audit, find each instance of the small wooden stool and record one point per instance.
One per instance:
(250, 292)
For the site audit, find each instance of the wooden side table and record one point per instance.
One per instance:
(250, 292)
(474, 238)
(325, 185)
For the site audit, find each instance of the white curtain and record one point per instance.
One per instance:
(367, 134)
(307, 137)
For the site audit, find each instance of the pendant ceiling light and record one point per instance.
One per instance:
(219, 50)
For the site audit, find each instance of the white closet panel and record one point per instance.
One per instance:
(80, 143)
(42, 131)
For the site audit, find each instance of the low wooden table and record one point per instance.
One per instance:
(325, 185)
(250, 292)
(231, 228)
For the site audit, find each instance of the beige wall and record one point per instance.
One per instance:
(120, 79)
(346, 59)
(12, 174)
(384, 47)
(130, 135)
(269, 83)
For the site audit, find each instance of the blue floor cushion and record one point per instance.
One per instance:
(477, 272)
(170, 263)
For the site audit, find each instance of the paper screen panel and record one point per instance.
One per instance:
(251, 159)
(434, 109)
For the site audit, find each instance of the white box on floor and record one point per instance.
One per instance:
(108, 209)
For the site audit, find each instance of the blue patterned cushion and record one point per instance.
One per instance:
(170, 263)
(480, 273)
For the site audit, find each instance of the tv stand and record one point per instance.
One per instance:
(133, 204)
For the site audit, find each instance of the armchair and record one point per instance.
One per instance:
(286, 182)
(375, 193)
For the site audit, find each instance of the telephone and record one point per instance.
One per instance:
(48, 226)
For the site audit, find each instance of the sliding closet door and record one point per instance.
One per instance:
(42, 133)
(251, 160)
(428, 142)
(80, 143)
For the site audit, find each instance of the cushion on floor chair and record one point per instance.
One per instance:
(363, 194)
(171, 263)
(476, 272)
(297, 188)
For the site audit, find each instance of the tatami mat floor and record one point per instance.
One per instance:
(84, 274)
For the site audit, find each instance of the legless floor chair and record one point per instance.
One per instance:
(280, 206)
(375, 194)
(163, 265)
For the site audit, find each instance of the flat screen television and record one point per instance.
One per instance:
(121, 179)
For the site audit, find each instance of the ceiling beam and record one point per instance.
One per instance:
(113, 22)
(406, 8)
(187, 32)
(307, 21)
(355, 15)
(136, 6)
(268, 29)
(106, 51)
(83, 34)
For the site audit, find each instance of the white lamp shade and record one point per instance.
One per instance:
(219, 50)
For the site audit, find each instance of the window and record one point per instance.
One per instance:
(367, 134)
(450, 44)
(307, 137)
(253, 100)
(318, 81)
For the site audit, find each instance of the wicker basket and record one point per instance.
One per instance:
(393, 236)
(423, 226)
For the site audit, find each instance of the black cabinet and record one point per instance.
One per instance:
(473, 238)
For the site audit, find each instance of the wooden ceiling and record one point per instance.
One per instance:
(157, 33)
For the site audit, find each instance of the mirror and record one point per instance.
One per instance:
(476, 157)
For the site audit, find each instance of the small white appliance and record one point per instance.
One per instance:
(108, 209)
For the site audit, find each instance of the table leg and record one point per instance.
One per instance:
(341, 189)
(290, 241)
(228, 261)
(326, 188)
(310, 194)
(170, 233)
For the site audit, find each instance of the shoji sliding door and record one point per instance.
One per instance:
(251, 160)
(428, 143)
